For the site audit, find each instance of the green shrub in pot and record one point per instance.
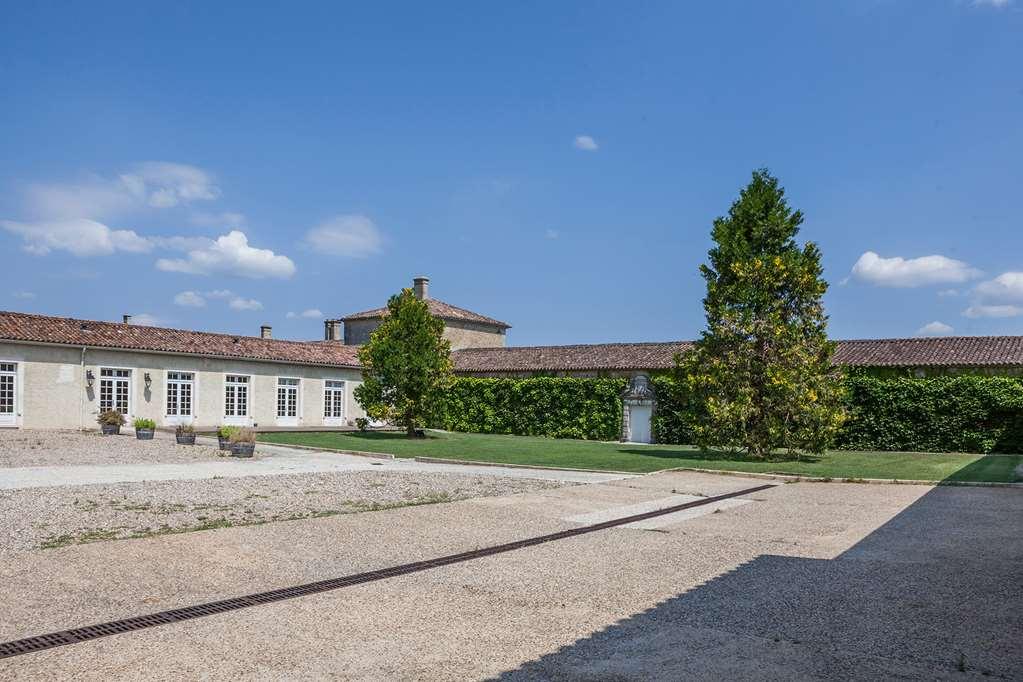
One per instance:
(110, 422)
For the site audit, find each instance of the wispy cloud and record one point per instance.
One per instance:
(240, 303)
(231, 254)
(585, 143)
(935, 328)
(81, 237)
(551, 234)
(998, 297)
(992, 3)
(311, 313)
(352, 236)
(23, 295)
(981, 310)
(912, 272)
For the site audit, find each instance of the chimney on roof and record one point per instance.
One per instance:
(332, 330)
(421, 287)
(266, 332)
(126, 319)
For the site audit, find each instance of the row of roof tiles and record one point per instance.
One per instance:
(960, 351)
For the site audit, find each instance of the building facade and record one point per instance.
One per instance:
(66, 381)
(463, 328)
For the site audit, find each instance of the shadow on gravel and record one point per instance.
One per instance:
(934, 592)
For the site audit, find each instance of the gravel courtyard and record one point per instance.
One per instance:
(28, 448)
(46, 518)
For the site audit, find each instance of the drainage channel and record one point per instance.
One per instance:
(116, 627)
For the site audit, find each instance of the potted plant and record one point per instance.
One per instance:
(243, 443)
(144, 428)
(110, 422)
(224, 436)
(184, 434)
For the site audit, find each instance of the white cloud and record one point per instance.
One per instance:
(585, 143)
(219, 293)
(23, 295)
(190, 299)
(231, 254)
(551, 234)
(240, 303)
(157, 184)
(992, 3)
(911, 272)
(311, 313)
(946, 293)
(80, 237)
(935, 329)
(354, 236)
(168, 184)
(981, 310)
(1007, 287)
(146, 320)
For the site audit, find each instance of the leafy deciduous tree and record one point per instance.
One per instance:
(407, 364)
(761, 375)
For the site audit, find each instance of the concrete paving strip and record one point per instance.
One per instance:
(653, 505)
(271, 461)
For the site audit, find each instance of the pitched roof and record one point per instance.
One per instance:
(961, 351)
(438, 308)
(69, 331)
(583, 357)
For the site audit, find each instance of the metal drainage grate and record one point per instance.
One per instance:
(116, 627)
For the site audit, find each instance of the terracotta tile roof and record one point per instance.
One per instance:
(585, 357)
(438, 308)
(950, 351)
(962, 351)
(68, 331)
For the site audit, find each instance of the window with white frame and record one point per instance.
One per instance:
(8, 394)
(287, 398)
(115, 390)
(333, 400)
(180, 389)
(236, 395)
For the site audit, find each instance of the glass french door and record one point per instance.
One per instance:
(8, 394)
(115, 390)
(180, 387)
(287, 401)
(333, 402)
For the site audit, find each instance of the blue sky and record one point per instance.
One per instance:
(554, 165)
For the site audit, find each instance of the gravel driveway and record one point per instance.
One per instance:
(55, 517)
(28, 448)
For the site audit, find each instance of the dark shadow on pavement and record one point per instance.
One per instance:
(936, 592)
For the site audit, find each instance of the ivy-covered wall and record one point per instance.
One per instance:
(938, 414)
(558, 407)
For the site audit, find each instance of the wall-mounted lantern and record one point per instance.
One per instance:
(90, 378)
(148, 380)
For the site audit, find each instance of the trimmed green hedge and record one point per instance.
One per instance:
(558, 407)
(938, 414)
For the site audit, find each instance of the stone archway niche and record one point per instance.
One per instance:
(638, 404)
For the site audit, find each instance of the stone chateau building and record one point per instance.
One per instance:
(59, 373)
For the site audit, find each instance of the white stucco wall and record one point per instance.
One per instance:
(51, 390)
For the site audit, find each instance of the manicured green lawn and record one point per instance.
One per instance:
(581, 454)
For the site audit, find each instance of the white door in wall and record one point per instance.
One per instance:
(287, 401)
(8, 394)
(639, 423)
(115, 390)
(333, 403)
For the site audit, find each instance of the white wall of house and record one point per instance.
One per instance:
(51, 390)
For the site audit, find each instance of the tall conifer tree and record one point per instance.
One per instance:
(761, 376)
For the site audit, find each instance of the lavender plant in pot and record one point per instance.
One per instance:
(224, 436)
(144, 428)
(110, 422)
(243, 443)
(184, 434)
